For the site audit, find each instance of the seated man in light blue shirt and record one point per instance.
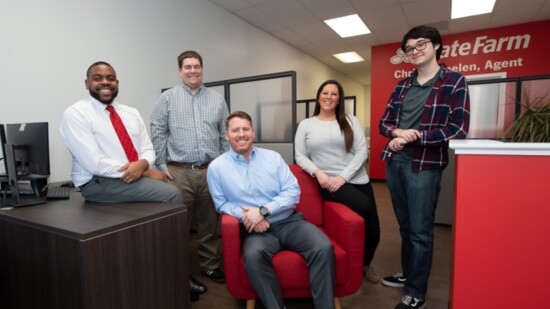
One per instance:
(256, 186)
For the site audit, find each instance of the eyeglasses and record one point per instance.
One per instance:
(419, 46)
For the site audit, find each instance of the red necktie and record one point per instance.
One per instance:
(123, 136)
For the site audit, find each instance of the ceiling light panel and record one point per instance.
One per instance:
(465, 8)
(347, 26)
(349, 57)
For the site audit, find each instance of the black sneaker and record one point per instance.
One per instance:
(217, 275)
(408, 302)
(396, 281)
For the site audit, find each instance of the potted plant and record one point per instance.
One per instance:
(533, 124)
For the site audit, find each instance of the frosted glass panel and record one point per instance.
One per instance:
(269, 103)
(484, 104)
(301, 112)
(218, 89)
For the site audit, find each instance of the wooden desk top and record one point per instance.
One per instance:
(78, 219)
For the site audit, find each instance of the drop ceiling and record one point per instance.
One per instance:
(300, 23)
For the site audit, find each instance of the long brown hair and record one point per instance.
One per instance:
(340, 113)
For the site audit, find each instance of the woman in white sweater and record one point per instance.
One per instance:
(331, 147)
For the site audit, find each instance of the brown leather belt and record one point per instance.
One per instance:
(189, 166)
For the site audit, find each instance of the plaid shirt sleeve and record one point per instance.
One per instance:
(390, 118)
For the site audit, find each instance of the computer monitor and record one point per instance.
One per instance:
(27, 158)
(31, 147)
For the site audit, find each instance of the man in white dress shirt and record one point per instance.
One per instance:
(101, 167)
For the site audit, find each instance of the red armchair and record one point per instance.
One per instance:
(344, 228)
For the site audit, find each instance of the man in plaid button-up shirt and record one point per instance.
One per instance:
(424, 112)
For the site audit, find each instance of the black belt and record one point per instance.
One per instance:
(189, 165)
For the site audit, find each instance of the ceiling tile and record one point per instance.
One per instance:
(469, 23)
(543, 13)
(313, 50)
(513, 4)
(232, 5)
(365, 6)
(287, 12)
(362, 43)
(290, 37)
(510, 17)
(377, 21)
(316, 32)
(334, 46)
(256, 2)
(259, 19)
(325, 9)
(423, 12)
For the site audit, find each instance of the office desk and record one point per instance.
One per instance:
(72, 254)
(500, 235)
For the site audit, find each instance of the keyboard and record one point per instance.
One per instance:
(58, 193)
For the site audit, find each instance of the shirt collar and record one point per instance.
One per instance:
(188, 89)
(100, 106)
(442, 69)
(237, 157)
(429, 83)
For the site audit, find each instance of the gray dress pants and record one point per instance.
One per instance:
(113, 190)
(296, 234)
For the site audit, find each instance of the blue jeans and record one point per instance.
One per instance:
(414, 197)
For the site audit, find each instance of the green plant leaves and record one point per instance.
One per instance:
(533, 125)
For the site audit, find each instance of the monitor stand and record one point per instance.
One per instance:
(17, 201)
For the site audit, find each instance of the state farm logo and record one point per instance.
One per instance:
(482, 44)
(399, 57)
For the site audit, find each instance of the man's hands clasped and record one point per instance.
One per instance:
(253, 221)
(403, 137)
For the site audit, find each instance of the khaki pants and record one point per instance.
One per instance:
(202, 213)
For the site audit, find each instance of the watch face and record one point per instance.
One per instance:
(263, 211)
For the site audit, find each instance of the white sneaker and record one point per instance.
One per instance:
(408, 302)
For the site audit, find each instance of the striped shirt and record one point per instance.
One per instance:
(446, 116)
(187, 128)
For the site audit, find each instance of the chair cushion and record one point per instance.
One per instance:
(292, 271)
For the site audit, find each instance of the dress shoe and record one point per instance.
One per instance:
(196, 286)
(217, 275)
(194, 296)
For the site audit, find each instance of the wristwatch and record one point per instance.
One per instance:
(264, 211)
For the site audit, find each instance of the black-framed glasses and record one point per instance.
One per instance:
(421, 45)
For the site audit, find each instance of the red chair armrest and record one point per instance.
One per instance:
(343, 225)
(347, 229)
(231, 243)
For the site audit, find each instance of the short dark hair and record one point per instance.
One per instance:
(427, 32)
(95, 64)
(188, 54)
(238, 114)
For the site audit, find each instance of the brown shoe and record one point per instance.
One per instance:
(370, 274)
